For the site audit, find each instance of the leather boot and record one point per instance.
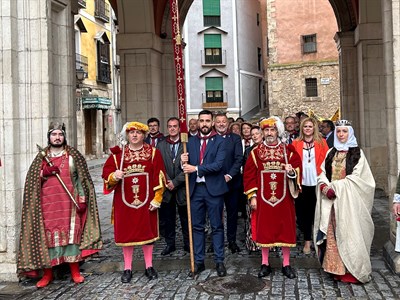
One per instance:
(75, 273)
(46, 279)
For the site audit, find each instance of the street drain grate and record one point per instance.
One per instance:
(235, 284)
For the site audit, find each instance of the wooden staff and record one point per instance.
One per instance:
(49, 162)
(180, 91)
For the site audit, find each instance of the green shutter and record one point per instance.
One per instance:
(212, 41)
(214, 84)
(211, 8)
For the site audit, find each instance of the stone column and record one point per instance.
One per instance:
(391, 42)
(348, 76)
(141, 76)
(36, 80)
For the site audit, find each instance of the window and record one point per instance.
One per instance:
(309, 43)
(212, 12)
(103, 62)
(214, 89)
(258, 19)
(259, 58)
(311, 87)
(102, 10)
(212, 49)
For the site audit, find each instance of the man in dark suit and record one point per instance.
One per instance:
(204, 162)
(232, 163)
(154, 135)
(327, 128)
(174, 196)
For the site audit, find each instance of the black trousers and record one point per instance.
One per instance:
(305, 209)
(231, 200)
(168, 221)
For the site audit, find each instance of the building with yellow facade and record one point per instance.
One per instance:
(95, 26)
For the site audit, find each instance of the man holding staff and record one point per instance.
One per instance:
(60, 222)
(204, 162)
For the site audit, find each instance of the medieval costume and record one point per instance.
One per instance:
(140, 189)
(54, 230)
(343, 226)
(266, 178)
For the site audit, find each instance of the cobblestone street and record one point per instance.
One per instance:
(102, 273)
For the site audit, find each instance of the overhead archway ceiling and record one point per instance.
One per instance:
(346, 12)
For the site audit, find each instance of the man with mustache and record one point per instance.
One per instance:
(204, 163)
(54, 229)
(271, 184)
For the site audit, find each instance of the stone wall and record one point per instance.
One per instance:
(286, 89)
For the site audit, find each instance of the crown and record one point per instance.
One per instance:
(343, 123)
(272, 165)
(56, 126)
(135, 168)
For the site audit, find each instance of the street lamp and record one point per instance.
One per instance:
(80, 76)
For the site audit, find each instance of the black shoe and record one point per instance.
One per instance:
(288, 272)
(221, 271)
(264, 271)
(186, 248)
(198, 268)
(151, 273)
(167, 250)
(210, 249)
(233, 247)
(127, 276)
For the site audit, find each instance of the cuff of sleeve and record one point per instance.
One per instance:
(158, 195)
(292, 176)
(396, 198)
(112, 180)
(251, 195)
(155, 203)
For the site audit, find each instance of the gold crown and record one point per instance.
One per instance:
(135, 168)
(272, 165)
(343, 123)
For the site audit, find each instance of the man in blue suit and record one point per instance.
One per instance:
(232, 163)
(204, 162)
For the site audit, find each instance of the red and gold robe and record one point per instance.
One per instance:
(265, 176)
(143, 183)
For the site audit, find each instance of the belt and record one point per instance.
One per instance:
(200, 183)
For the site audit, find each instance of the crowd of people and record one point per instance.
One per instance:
(284, 177)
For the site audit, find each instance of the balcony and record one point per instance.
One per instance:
(213, 60)
(103, 73)
(81, 62)
(82, 3)
(214, 103)
(95, 102)
(102, 11)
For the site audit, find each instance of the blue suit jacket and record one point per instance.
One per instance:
(212, 167)
(233, 159)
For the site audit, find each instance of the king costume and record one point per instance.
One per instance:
(143, 183)
(53, 231)
(264, 174)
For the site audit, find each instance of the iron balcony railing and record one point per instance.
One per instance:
(102, 10)
(81, 62)
(82, 3)
(103, 72)
(213, 57)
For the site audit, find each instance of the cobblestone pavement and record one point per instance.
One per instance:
(102, 273)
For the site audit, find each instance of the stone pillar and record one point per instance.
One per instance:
(391, 42)
(36, 80)
(141, 76)
(348, 76)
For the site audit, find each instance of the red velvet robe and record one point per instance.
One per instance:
(265, 175)
(134, 223)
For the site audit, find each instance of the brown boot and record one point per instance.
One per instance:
(46, 279)
(75, 273)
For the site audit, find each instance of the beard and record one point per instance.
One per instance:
(205, 130)
(52, 144)
(270, 139)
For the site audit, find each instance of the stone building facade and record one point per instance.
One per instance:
(302, 58)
